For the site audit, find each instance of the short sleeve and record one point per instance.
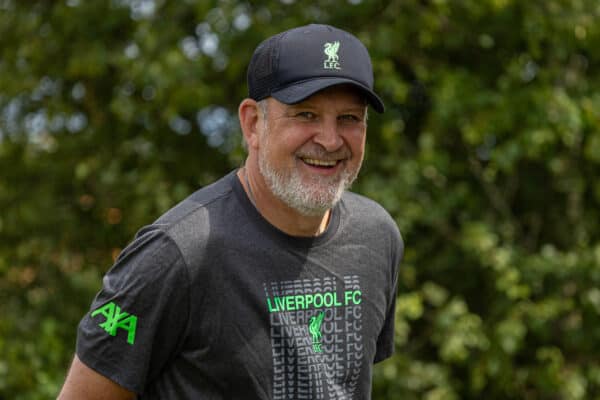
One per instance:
(138, 320)
(385, 341)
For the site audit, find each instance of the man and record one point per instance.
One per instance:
(273, 282)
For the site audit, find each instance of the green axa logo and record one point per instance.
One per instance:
(314, 328)
(117, 319)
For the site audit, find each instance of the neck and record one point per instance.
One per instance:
(275, 211)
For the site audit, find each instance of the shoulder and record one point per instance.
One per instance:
(195, 206)
(371, 220)
(367, 211)
(185, 229)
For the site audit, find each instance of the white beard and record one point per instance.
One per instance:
(310, 199)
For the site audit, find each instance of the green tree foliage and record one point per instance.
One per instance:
(487, 156)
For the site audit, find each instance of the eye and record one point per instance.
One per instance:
(350, 118)
(307, 115)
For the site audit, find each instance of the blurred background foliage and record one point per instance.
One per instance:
(488, 156)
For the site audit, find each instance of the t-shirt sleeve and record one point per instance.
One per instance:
(138, 320)
(385, 341)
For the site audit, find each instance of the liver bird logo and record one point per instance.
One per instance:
(314, 328)
(331, 51)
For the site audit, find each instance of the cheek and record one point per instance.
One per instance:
(279, 152)
(357, 145)
(293, 142)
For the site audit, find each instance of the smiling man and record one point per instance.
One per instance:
(303, 156)
(274, 282)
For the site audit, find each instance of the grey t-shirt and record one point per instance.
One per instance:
(213, 302)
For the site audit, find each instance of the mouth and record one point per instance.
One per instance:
(313, 162)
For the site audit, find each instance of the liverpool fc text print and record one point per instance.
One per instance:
(316, 337)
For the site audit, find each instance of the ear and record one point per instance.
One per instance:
(249, 115)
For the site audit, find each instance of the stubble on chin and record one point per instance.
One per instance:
(312, 198)
(309, 199)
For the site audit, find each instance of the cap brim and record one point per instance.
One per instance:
(300, 91)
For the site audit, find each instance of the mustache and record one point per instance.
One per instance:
(320, 153)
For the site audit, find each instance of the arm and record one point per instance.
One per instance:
(117, 340)
(83, 383)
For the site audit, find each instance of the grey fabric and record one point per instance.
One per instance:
(229, 307)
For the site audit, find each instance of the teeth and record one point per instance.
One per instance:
(320, 163)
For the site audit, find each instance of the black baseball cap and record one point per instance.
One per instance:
(293, 65)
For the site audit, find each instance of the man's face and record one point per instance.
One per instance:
(311, 151)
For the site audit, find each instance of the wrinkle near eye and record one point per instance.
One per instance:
(350, 118)
(307, 115)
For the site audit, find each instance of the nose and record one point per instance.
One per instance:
(328, 135)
